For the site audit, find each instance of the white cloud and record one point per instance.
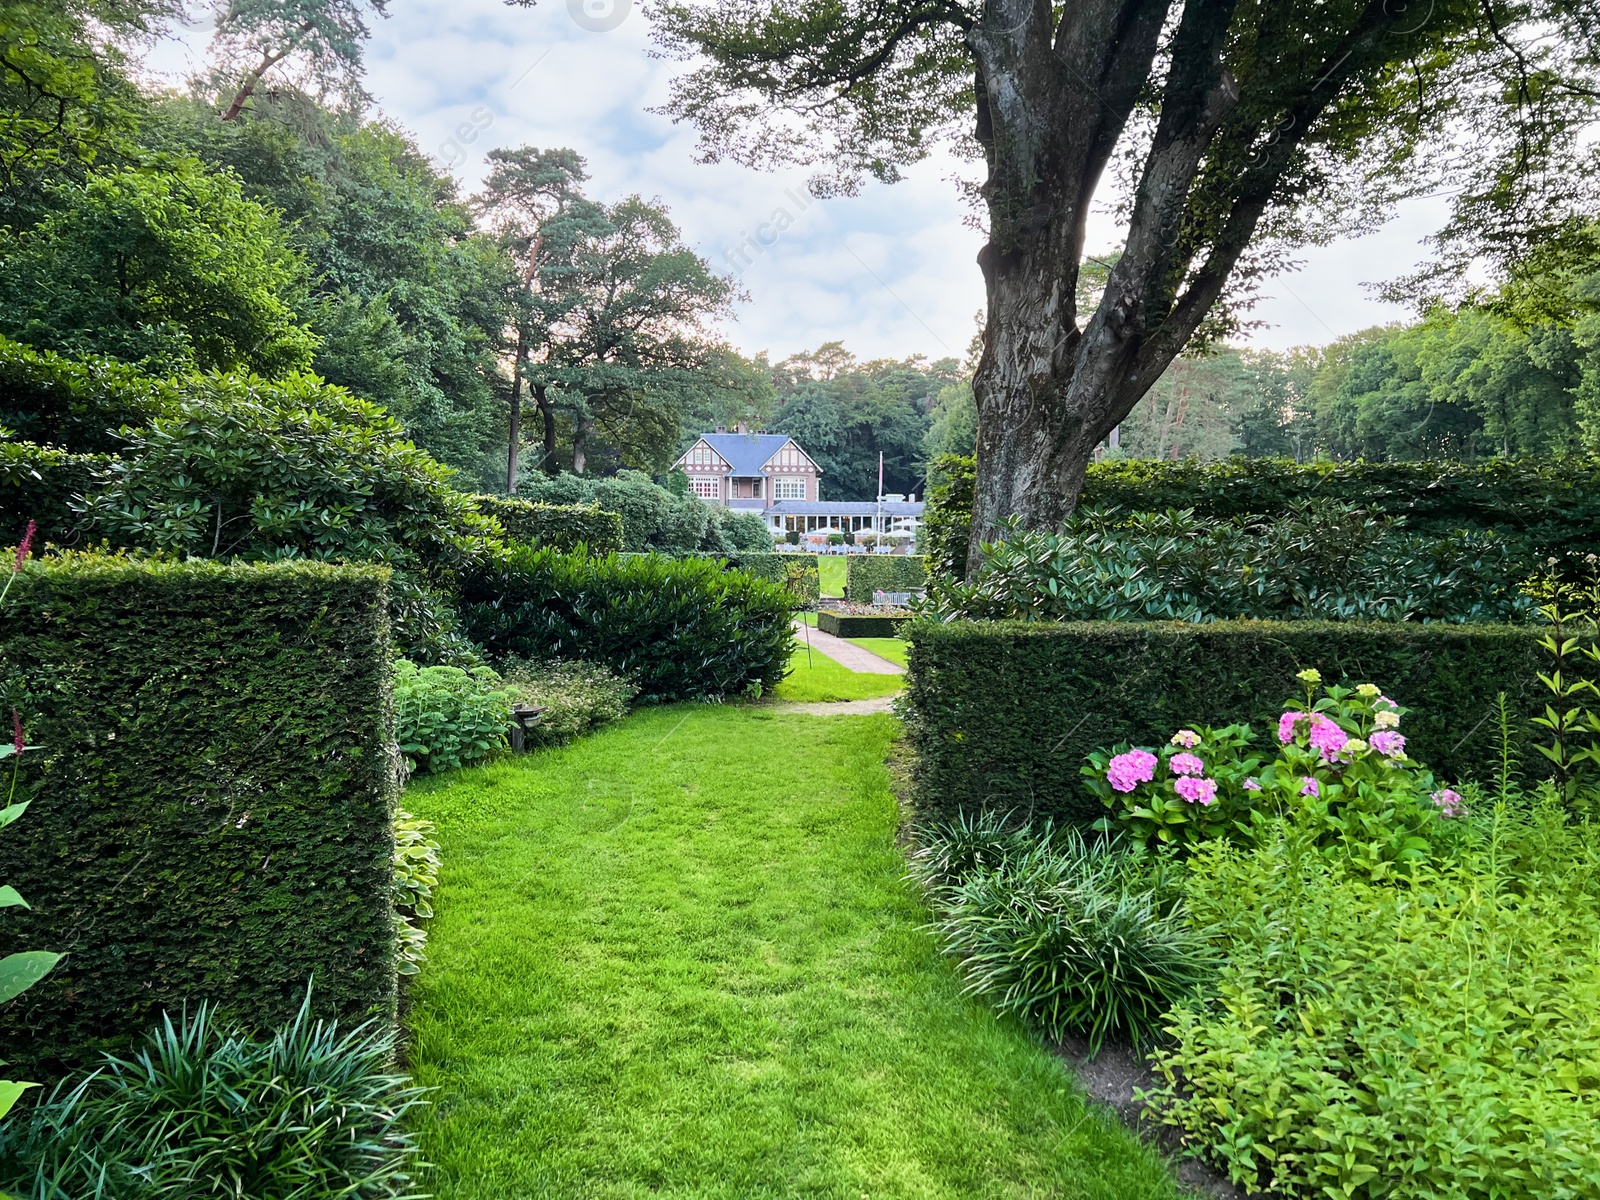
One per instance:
(890, 272)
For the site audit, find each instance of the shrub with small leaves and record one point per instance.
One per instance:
(447, 717)
(577, 697)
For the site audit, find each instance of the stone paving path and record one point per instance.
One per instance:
(846, 654)
(836, 708)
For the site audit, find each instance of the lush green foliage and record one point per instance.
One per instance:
(207, 1110)
(796, 573)
(416, 874)
(77, 405)
(1002, 715)
(653, 518)
(562, 526)
(43, 485)
(446, 717)
(174, 269)
(869, 573)
(726, 878)
(215, 788)
(947, 516)
(1432, 1035)
(578, 697)
(1075, 937)
(1322, 561)
(1340, 777)
(679, 628)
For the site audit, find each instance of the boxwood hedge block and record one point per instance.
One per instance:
(845, 625)
(1001, 714)
(212, 799)
(562, 526)
(869, 573)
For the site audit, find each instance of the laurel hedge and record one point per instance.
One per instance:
(77, 405)
(1001, 715)
(869, 573)
(562, 526)
(212, 801)
(40, 484)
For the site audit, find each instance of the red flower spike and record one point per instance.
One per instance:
(26, 547)
(18, 742)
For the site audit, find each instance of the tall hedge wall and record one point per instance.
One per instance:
(868, 573)
(1001, 715)
(213, 800)
(561, 526)
(796, 573)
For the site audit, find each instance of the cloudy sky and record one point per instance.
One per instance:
(890, 272)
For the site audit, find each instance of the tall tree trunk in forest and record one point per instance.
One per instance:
(582, 427)
(253, 79)
(514, 442)
(547, 412)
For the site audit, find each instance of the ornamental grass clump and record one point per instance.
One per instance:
(1075, 937)
(204, 1110)
(1339, 772)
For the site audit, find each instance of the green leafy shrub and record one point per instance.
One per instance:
(447, 717)
(795, 573)
(1322, 561)
(1002, 715)
(1072, 936)
(43, 485)
(1434, 1035)
(653, 518)
(869, 573)
(207, 1110)
(577, 697)
(75, 405)
(1341, 777)
(416, 874)
(1549, 504)
(742, 531)
(213, 794)
(563, 526)
(679, 628)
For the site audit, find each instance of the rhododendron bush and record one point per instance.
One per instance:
(1337, 772)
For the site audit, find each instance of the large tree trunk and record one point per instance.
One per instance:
(582, 428)
(547, 413)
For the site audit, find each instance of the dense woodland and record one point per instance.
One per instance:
(290, 228)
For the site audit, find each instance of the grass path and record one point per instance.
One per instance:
(678, 960)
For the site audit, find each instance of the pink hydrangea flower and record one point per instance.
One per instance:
(1286, 724)
(1327, 737)
(1250, 785)
(1186, 764)
(1187, 738)
(1389, 743)
(1202, 791)
(1448, 801)
(1308, 787)
(1127, 771)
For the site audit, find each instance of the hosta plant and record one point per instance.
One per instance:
(416, 874)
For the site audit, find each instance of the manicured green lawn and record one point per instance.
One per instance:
(817, 677)
(891, 648)
(830, 574)
(678, 960)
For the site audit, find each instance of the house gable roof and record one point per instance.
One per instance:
(746, 453)
(698, 442)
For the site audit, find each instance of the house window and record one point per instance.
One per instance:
(788, 489)
(705, 488)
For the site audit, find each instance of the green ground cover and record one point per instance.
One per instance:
(830, 574)
(814, 676)
(649, 977)
(891, 648)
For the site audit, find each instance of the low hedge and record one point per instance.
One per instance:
(212, 803)
(679, 628)
(796, 573)
(562, 526)
(38, 483)
(847, 626)
(1001, 714)
(869, 573)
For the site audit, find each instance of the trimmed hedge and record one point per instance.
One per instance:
(679, 628)
(562, 526)
(213, 800)
(1552, 503)
(797, 573)
(847, 626)
(38, 483)
(1001, 715)
(869, 573)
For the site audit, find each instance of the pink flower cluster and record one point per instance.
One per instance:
(1388, 743)
(1187, 738)
(1448, 801)
(1186, 764)
(1127, 771)
(1286, 726)
(1308, 786)
(1326, 737)
(1201, 791)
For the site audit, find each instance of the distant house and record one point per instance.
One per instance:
(769, 474)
